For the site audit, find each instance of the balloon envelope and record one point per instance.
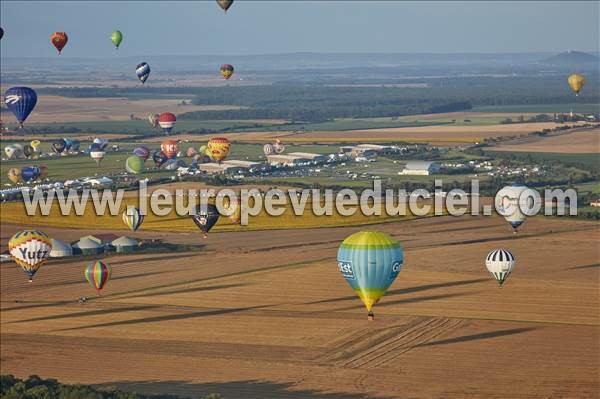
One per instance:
(500, 263)
(167, 121)
(218, 148)
(59, 40)
(170, 148)
(116, 37)
(59, 145)
(226, 71)
(97, 274)
(14, 175)
(576, 82)
(133, 218)
(29, 173)
(225, 4)
(30, 249)
(21, 101)
(510, 205)
(206, 217)
(142, 152)
(142, 71)
(370, 262)
(159, 158)
(135, 164)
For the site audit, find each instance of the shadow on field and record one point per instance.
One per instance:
(385, 302)
(96, 312)
(251, 389)
(177, 315)
(592, 266)
(475, 337)
(38, 305)
(408, 290)
(184, 290)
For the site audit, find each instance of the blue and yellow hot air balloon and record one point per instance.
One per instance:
(370, 261)
(30, 249)
(97, 274)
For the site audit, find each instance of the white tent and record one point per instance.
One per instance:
(60, 249)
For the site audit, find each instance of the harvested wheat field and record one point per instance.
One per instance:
(264, 315)
(573, 142)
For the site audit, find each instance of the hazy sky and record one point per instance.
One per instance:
(261, 27)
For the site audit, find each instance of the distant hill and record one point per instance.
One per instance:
(571, 58)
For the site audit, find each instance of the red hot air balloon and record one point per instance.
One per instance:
(167, 120)
(170, 148)
(59, 40)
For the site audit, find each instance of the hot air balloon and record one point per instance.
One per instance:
(1, 33)
(13, 151)
(268, 149)
(97, 274)
(159, 158)
(153, 119)
(576, 82)
(59, 40)
(218, 148)
(142, 71)
(191, 152)
(370, 262)
(278, 146)
(74, 145)
(103, 143)
(30, 249)
(135, 164)
(206, 217)
(235, 204)
(202, 158)
(116, 37)
(170, 148)
(35, 144)
(508, 203)
(133, 218)
(225, 4)
(167, 120)
(59, 146)
(97, 153)
(142, 152)
(20, 101)
(500, 263)
(28, 151)
(226, 71)
(14, 175)
(29, 173)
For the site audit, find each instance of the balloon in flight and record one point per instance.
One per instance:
(97, 274)
(133, 218)
(116, 37)
(226, 71)
(167, 121)
(21, 101)
(370, 262)
(576, 82)
(225, 4)
(142, 71)
(510, 202)
(268, 149)
(59, 40)
(35, 144)
(30, 249)
(97, 153)
(500, 263)
(206, 217)
(218, 148)
(153, 119)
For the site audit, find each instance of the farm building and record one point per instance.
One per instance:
(87, 246)
(60, 249)
(125, 245)
(244, 164)
(214, 168)
(310, 156)
(285, 160)
(420, 168)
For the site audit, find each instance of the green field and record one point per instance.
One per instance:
(542, 108)
(590, 159)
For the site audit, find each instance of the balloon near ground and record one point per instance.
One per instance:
(205, 218)
(226, 71)
(142, 152)
(370, 262)
(14, 175)
(142, 71)
(59, 40)
(135, 165)
(218, 148)
(30, 249)
(169, 148)
(576, 82)
(167, 121)
(133, 218)
(500, 263)
(20, 101)
(97, 274)
(116, 37)
(159, 158)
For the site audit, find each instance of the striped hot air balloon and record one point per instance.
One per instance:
(370, 262)
(30, 249)
(97, 274)
(500, 263)
(218, 148)
(167, 121)
(133, 218)
(142, 71)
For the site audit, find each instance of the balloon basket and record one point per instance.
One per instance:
(370, 316)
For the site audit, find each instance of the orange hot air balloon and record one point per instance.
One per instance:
(218, 148)
(170, 148)
(59, 40)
